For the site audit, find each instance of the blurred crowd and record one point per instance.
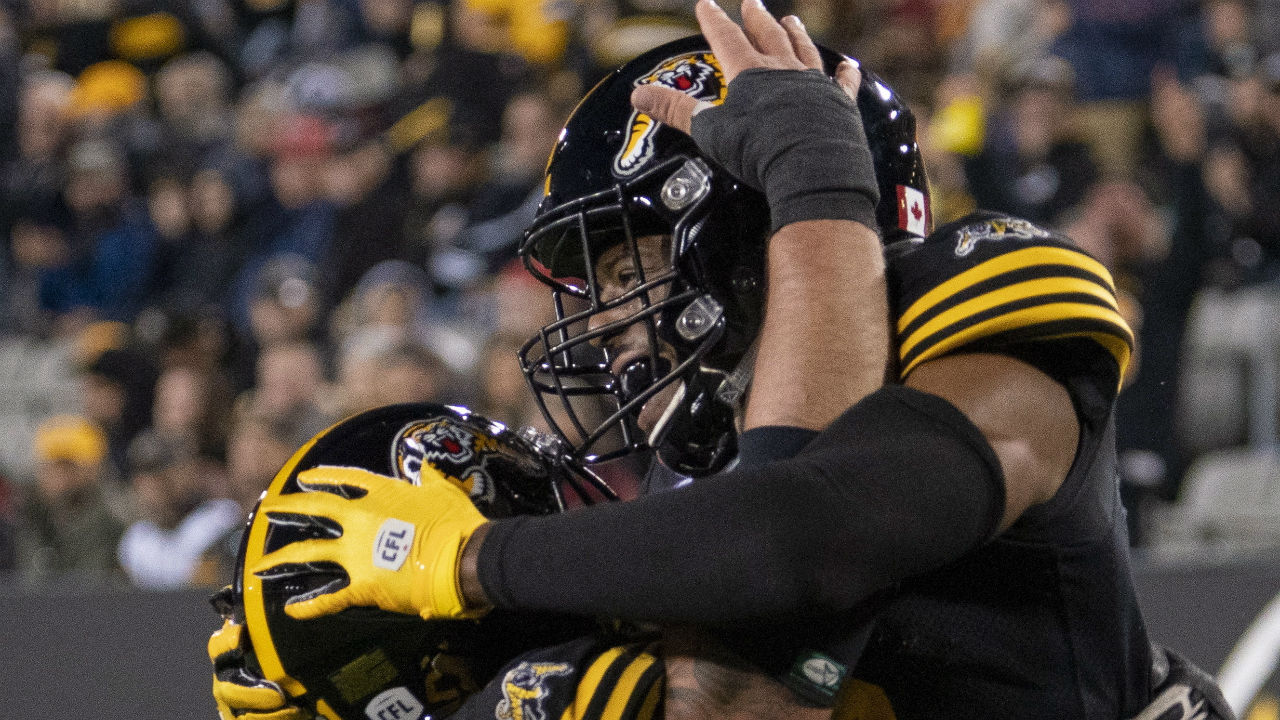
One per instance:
(228, 223)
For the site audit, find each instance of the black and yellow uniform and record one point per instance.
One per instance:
(896, 507)
(1042, 620)
(587, 679)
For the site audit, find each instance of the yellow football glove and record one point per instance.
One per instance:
(240, 694)
(400, 543)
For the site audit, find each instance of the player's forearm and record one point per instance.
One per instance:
(899, 485)
(825, 340)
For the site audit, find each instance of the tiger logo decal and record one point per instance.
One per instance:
(524, 688)
(696, 74)
(454, 450)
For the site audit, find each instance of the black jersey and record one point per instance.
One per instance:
(1039, 621)
(1042, 621)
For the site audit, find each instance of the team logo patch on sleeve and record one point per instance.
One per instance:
(453, 449)
(968, 237)
(696, 74)
(525, 687)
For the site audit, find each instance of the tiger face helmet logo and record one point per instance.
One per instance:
(696, 74)
(454, 450)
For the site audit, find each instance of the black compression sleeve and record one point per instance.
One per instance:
(771, 442)
(898, 485)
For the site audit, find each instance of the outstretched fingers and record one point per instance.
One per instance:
(728, 42)
(316, 503)
(319, 606)
(265, 696)
(299, 553)
(328, 476)
(766, 35)
(801, 44)
(849, 78)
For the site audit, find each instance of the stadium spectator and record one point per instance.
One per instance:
(33, 174)
(1033, 165)
(371, 191)
(281, 304)
(67, 524)
(37, 243)
(192, 410)
(257, 447)
(193, 96)
(105, 262)
(504, 395)
(197, 272)
(117, 393)
(1242, 175)
(180, 523)
(1113, 48)
(410, 372)
(290, 389)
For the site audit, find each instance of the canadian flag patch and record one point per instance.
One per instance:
(913, 211)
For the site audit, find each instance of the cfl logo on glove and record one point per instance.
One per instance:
(392, 545)
(696, 74)
(394, 704)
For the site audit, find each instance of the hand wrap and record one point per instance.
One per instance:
(795, 135)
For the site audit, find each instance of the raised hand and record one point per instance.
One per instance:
(761, 42)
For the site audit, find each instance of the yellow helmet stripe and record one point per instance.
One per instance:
(255, 614)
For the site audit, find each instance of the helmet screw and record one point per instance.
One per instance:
(686, 185)
(698, 319)
(674, 192)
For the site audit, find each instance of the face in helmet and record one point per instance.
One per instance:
(368, 663)
(655, 256)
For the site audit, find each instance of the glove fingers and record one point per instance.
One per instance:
(289, 713)
(225, 640)
(308, 503)
(326, 476)
(262, 696)
(320, 605)
(302, 552)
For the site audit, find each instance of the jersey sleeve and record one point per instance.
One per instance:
(998, 284)
(591, 678)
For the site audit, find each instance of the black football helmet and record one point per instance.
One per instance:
(616, 175)
(366, 663)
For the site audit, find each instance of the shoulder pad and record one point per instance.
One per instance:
(989, 280)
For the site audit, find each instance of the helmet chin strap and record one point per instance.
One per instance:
(733, 389)
(660, 427)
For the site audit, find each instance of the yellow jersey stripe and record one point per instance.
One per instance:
(1012, 293)
(627, 682)
(649, 709)
(1029, 317)
(590, 683)
(1016, 260)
